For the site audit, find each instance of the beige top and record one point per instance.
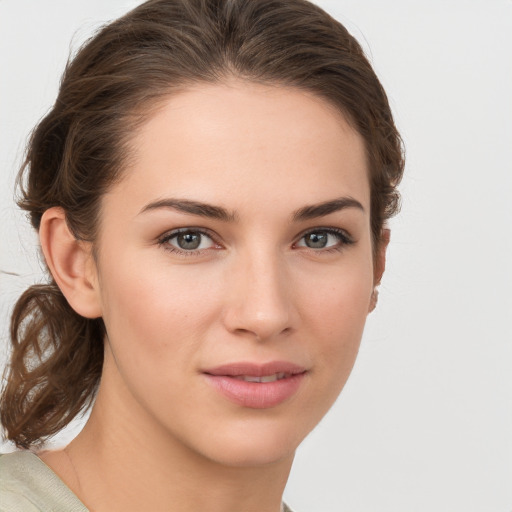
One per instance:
(27, 484)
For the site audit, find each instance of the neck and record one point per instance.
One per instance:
(123, 461)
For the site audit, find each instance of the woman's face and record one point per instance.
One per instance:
(236, 249)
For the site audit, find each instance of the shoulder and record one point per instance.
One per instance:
(28, 485)
(14, 490)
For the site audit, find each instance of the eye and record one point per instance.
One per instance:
(324, 238)
(187, 240)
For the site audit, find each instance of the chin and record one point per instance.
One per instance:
(252, 444)
(250, 455)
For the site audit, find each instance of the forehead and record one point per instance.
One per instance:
(239, 142)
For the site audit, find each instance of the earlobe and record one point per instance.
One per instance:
(379, 267)
(373, 299)
(71, 263)
(380, 262)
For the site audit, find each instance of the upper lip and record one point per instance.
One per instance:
(255, 369)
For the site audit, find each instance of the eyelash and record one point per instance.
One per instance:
(163, 241)
(343, 237)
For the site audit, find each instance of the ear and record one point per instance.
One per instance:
(380, 258)
(71, 263)
(379, 266)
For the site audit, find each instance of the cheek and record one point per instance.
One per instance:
(336, 310)
(339, 299)
(154, 333)
(154, 308)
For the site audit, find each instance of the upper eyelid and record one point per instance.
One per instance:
(203, 231)
(329, 229)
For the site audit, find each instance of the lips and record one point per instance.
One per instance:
(257, 386)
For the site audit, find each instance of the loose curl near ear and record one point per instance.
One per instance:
(55, 365)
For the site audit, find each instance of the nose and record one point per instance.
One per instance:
(260, 302)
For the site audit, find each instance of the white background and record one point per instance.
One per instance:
(425, 421)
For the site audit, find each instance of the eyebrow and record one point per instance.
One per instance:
(194, 208)
(320, 210)
(217, 212)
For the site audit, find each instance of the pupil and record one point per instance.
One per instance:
(316, 240)
(189, 241)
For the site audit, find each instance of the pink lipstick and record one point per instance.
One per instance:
(258, 386)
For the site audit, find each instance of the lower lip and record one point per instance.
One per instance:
(256, 395)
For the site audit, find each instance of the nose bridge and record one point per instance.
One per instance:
(260, 303)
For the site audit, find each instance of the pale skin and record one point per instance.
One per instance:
(159, 437)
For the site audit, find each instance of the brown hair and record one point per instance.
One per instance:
(80, 147)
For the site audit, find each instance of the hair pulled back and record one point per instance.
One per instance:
(81, 146)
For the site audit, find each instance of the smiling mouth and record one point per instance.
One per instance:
(257, 386)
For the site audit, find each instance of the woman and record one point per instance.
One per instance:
(210, 190)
